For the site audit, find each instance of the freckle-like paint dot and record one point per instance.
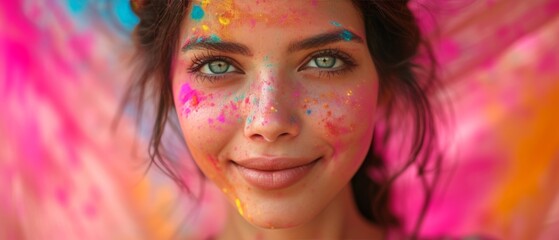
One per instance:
(346, 35)
(309, 112)
(205, 27)
(239, 206)
(194, 101)
(349, 93)
(214, 39)
(221, 117)
(224, 21)
(337, 24)
(239, 98)
(197, 13)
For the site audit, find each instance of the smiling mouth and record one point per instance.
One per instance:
(270, 174)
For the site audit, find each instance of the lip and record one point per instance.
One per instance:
(274, 173)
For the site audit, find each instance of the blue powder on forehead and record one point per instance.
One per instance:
(337, 24)
(346, 35)
(197, 13)
(214, 39)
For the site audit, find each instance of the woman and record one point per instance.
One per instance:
(278, 102)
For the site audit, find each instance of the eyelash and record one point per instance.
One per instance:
(199, 61)
(349, 63)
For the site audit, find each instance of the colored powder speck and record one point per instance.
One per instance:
(214, 39)
(337, 24)
(239, 206)
(239, 98)
(314, 3)
(194, 101)
(205, 27)
(346, 35)
(186, 93)
(334, 129)
(292, 119)
(309, 112)
(249, 120)
(252, 23)
(197, 13)
(224, 21)
(233, 106)
(221, 118)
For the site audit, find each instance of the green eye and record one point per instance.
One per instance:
(325, 62)
(217, 67)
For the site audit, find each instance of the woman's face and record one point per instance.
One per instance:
(276, 100)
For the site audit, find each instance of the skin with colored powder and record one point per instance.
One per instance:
(284, 155)
(278, 102)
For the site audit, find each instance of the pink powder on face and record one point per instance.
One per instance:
(186, 93)
(335, 129)
(314, 3)
(221, 118)
(191, 96)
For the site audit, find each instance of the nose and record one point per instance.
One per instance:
(272, 116)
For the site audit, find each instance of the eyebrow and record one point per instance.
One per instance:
(325, 39)
(228, 47)
(308, 43)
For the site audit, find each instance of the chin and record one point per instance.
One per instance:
(278, 222)
(280, 217)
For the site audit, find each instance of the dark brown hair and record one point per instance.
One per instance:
(394, 41)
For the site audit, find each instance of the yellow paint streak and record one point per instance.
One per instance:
(205, 3)
(239, 206)
(224, 20)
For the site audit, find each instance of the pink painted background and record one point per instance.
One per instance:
(66, 174)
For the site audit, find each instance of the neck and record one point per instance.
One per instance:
(339, 220)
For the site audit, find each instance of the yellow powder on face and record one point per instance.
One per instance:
(205, 27)
(349, 93)
(239, 206)
(224, 21)
(205, 3)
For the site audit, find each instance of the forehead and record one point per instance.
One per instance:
(235, 18)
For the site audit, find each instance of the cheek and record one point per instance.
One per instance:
(345, 118)
(206, 119)
(208, 122)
